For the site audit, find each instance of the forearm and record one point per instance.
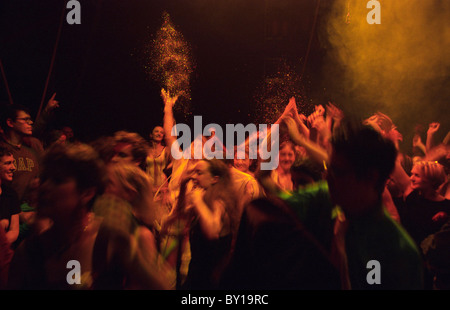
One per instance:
(401, 178)
(315, 151)
(209, 221)
(168, 124)
(13, 232)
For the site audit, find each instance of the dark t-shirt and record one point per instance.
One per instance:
(417, 216)
(9, 203)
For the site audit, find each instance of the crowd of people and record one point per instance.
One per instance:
(344, 195)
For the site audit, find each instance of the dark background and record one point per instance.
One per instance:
(99, 74)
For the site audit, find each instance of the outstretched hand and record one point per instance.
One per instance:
(433, 128)
(334, 112)
(291, 125)
(169, 101)
(52, 103)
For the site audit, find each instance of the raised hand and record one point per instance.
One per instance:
(433, 128)
(169, 101)
(334, 112)
(52, 103)
(291, 125)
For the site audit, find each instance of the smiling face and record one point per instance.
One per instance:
(287, 157)
(426, 176)
(157, 134)
(242, 164)
(7, 168)
(417, 179)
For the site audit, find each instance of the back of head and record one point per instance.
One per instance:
(365, 149)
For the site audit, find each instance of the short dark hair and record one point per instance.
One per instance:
(139, 145)
(4, 151)
(366, 149)
(78, 161)
(9, 111)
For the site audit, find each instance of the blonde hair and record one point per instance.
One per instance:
(432, 172)
(133, 180)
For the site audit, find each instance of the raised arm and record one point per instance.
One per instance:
(210, 217)
(432, 129)
(315, 151)
(169, 119)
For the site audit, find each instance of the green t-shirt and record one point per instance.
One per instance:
(374, 237)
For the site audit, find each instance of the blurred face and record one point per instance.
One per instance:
(123, 154)
(202, 177)
(23, 123)
(59, 198)
(158, 134)
(68, 132)
(241, 164)
(287, 158)
(115, 188)
(346, 189)
(418, 182)
(7, 168)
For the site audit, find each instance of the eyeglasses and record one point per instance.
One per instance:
(25, 119)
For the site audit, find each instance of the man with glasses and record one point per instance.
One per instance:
(17, 127)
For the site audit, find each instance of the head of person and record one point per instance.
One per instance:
(359, 166)
(131, 148)
(132, 184)
(72, 176)
(287, 155)
(242, 164)
(16, 118)
(105, 148)
(209, 172)
(7, 166)
(54, 136)
(427, 176)
(213, 175)
(68, 132)
(157, 134)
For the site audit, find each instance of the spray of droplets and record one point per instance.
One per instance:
(170, 64)
(273, 95)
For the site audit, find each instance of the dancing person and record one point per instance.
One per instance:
(282, 175)
(158, 161)
(130, 147)
(274, 251)
(214, 224)
(158, 157)
(129, 183)
(72, 178)
(424, 210)
(358, 166)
